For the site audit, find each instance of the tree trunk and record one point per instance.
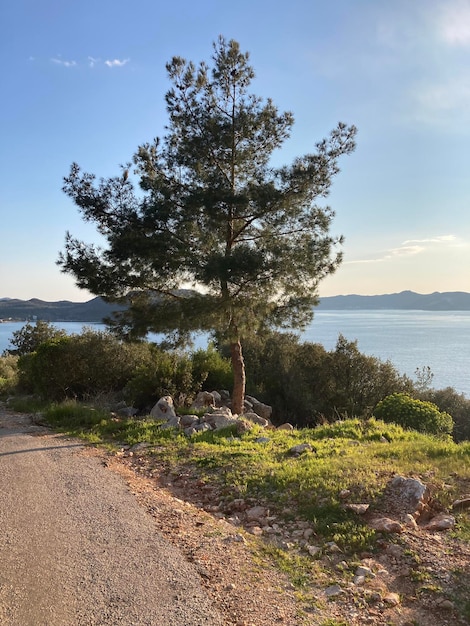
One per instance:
(239, 378)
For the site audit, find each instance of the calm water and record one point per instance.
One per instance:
(409, 339)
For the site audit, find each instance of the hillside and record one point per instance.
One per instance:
(94, 310)
(97, 309)
(405, 300)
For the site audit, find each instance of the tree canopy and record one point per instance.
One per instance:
(213, 237)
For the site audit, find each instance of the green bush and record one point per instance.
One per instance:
(415, 414)
(80, 366)
(8, 373)
(454, 403)
(8, 366)
(305, 384)
(211, 370)
(28, 338)
(162, 373)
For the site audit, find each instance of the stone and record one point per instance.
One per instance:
(410, 521)
(359, 509)
(362, 570)
(188, 420)
(263, 410)
(256, 513)
(203, 400)
(387, 525)
(312, 550)
(262, 440)
(443, 521)
(301, 448)
(217, 398)
(460, 505)
(333, 590)
(409, 495)
(332, 547)
(220, 418)
(285, 426)
(448, 605)
(256, 419)
(244, 426)
(164, 409)
(173, 422)
(393, 599)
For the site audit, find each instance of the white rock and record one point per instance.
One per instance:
(441, 522)
(163, 409)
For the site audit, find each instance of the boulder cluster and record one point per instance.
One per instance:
(217, 414)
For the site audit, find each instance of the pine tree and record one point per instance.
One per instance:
(213, 214)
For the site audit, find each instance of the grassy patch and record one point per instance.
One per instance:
(355, 455)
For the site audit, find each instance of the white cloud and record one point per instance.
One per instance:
(91, 62)
(412, 247)
(116, 62)
(59, 61)
(453, 22)
(439, 239)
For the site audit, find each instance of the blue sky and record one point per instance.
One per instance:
(85, 82)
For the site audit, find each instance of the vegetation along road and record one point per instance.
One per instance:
(76, 548)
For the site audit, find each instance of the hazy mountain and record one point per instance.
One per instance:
(97, 309)
(406, 300)
(94, 310)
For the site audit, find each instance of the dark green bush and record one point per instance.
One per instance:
(415, 414)
(211, 370)
(305, 384)
(80, 366)
(31, 336)
(164, 373)
(454, 403)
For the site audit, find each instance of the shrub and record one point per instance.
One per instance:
(30, 337)
(8, 366)
(211, 370)
(79, 366)
(415, 414)
(163, 373)
(305, 384)
(454, 403)
(8, 373)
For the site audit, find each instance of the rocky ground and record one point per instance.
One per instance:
(417, 577)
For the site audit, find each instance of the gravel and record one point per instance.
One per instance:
(77, 549)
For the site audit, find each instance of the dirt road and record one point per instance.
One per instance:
(75, 547)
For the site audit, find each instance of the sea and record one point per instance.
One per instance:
(410, 340)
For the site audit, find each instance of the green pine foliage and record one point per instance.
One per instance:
(209, 210)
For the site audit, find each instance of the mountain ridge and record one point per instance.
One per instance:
(96, 309)
(404, 300)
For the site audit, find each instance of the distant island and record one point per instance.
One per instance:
(97, 309)
(94, 310)
(405, 300)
